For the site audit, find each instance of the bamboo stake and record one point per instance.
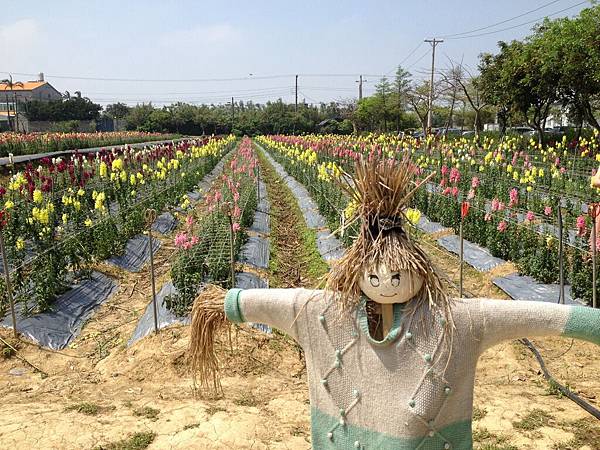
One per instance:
(561, 298)
(594, 255)
(150, 218)
(8, 284)
(231, 252)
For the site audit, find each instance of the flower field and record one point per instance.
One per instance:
(63, 215)
(507, 194)
(213, 236)
(27, 144)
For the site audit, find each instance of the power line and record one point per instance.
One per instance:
(418, 60)
(521, 24)
(193, 80)
(407, 57)
(501, 22)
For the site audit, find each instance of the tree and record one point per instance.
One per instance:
(117, 110)
(382, 90)
(9, 86)
(402, 82)
(460, 78)
(521, 80)
(573, 47)
(418, 99)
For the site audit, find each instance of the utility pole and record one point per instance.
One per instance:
(232, 114)
(296, 108)
(433, 43)
(360, 82)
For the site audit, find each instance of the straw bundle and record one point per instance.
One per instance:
(208, 318)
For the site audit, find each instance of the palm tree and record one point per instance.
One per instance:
(8, 84)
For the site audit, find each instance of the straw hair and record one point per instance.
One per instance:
(208, 319)
(382, 189)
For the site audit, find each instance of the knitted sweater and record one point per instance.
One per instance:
(403, 392)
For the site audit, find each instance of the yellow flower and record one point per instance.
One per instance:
(65, 218)
(117, 165)
(413, 215)
(20, 244)
(80, 192)
(103, 170)
(88, 222)
(38, 197)
(8, 204)
(351, 209)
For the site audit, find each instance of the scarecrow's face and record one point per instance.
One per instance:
(382, 285)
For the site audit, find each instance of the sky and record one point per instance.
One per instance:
(206, 52)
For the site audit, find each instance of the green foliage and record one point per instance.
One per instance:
(248, 118)
(137, 441)
(559, 62)
(533, 420)
(209, 259)
(73, 108)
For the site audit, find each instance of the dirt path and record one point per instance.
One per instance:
(100, 393)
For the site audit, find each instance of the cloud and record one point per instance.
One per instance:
(20, 43)
(208, 36)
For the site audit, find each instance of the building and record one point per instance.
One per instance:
(12, 98)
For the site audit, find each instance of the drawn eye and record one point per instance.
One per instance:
(396, 279)
(374, 280)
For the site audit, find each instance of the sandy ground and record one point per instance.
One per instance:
(99, 391)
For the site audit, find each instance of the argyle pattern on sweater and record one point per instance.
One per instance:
(408, 390)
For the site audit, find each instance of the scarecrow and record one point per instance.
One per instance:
(390, 356)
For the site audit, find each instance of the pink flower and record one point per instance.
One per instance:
(475, 183)
(446, 191)
(454, 175)
(581, 226)
(189, 221)
(236, 227)
(502, 226)
(236, 211)
(181, 240)
(530, 216)
(444, 170)
(471, 194)
(495, 204)
(443, 182)
(548, 210)
(236, 196)
(501, 206)
(488, 217)
(514, 198)
(194, 240)
(218, 196)
(454, 191)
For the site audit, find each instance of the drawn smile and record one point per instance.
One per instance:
(392, 295)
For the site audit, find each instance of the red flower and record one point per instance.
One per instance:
(464, 209)
(4, 216)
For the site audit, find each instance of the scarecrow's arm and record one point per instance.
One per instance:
(280, 308)
(504, 320)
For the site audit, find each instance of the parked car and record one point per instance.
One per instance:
(468, 133)
(524, 131)
(449, 132)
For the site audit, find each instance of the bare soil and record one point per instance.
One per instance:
(99, 391)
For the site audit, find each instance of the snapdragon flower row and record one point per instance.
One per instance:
(66, 213)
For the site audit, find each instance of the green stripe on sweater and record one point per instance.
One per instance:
(349, 436)
(232, 306)
(583, 323)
